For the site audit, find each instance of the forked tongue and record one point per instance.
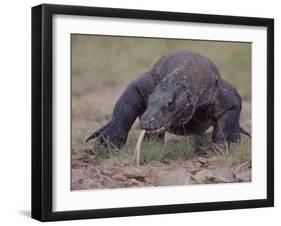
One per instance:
(138, 146)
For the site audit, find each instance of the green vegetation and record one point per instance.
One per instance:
(180, 148)
(151, 150)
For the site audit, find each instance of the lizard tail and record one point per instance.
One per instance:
(245, 132)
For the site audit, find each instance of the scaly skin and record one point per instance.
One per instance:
(184, 94)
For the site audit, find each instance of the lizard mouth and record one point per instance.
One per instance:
(156, 130)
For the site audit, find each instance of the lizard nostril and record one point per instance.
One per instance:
(147, 122)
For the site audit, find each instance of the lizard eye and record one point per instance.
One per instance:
(170, 105)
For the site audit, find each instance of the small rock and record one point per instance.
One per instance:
(202, 176)
(134, 181)
(176, 177)
(86, 159)
(194, 171)
(216, 159)
(155, 163)
(218, 179)
(198, 164)
(75, 164)
(94, 170)
(222, 175)
(203, 160)
(80, 181)
(212, 167)
(244, 176)
(106, 181)
(106, 172)
(128, 184)
(242, 167)
(97, 176)
(125, 162)
(95, 185)
(119, 178)
(166, 161)
(148, 181)
(135, 173)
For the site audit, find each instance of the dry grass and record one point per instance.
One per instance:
(174, 148)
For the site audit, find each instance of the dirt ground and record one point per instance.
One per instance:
(89, 173)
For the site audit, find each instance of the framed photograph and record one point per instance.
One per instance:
(145, 112)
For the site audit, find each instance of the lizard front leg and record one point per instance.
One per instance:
(129, 106)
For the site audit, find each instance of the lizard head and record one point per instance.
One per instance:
(168, 105)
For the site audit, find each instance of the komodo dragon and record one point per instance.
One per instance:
(183, 94)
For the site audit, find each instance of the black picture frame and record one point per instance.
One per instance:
(42, 107)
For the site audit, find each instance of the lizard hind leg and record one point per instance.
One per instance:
(227, 128)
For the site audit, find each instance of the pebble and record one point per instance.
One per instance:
(203, 160)
(119, 178)
(135, 173)
(177, 177)
(107, 172)
(242, 167)
(202, 176)
(134, 181)
(243, 176)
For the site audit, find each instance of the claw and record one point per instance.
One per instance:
(96, 134)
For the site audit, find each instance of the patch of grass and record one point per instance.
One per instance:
(152, 150)
(240, 151)
(78, 138)
(173, 149)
